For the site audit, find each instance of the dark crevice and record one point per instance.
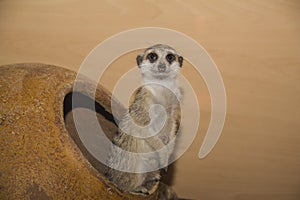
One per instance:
(78, 100)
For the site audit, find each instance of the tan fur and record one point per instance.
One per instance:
(146, 96)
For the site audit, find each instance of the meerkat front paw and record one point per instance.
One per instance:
(141, 190)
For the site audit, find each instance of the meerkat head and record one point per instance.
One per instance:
(159, 62)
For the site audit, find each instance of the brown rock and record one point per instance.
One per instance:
(41, 156)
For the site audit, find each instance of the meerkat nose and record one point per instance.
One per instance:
(161, 67)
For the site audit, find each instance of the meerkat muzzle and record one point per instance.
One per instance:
(161, 67)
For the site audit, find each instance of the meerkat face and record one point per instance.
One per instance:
(159, 62)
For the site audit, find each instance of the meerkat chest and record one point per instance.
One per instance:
(164, 93)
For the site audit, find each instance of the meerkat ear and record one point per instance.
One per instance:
(180, 60)
(139, 60)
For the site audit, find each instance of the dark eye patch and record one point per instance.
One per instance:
(170, 58)
(152, 57)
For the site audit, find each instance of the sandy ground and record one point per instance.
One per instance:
(256, 46)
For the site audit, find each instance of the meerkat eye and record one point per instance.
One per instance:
(152, 57)
(170, 58)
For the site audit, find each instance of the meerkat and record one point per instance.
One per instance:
(159, 66)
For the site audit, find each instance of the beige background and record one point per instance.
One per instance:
(256, 46)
